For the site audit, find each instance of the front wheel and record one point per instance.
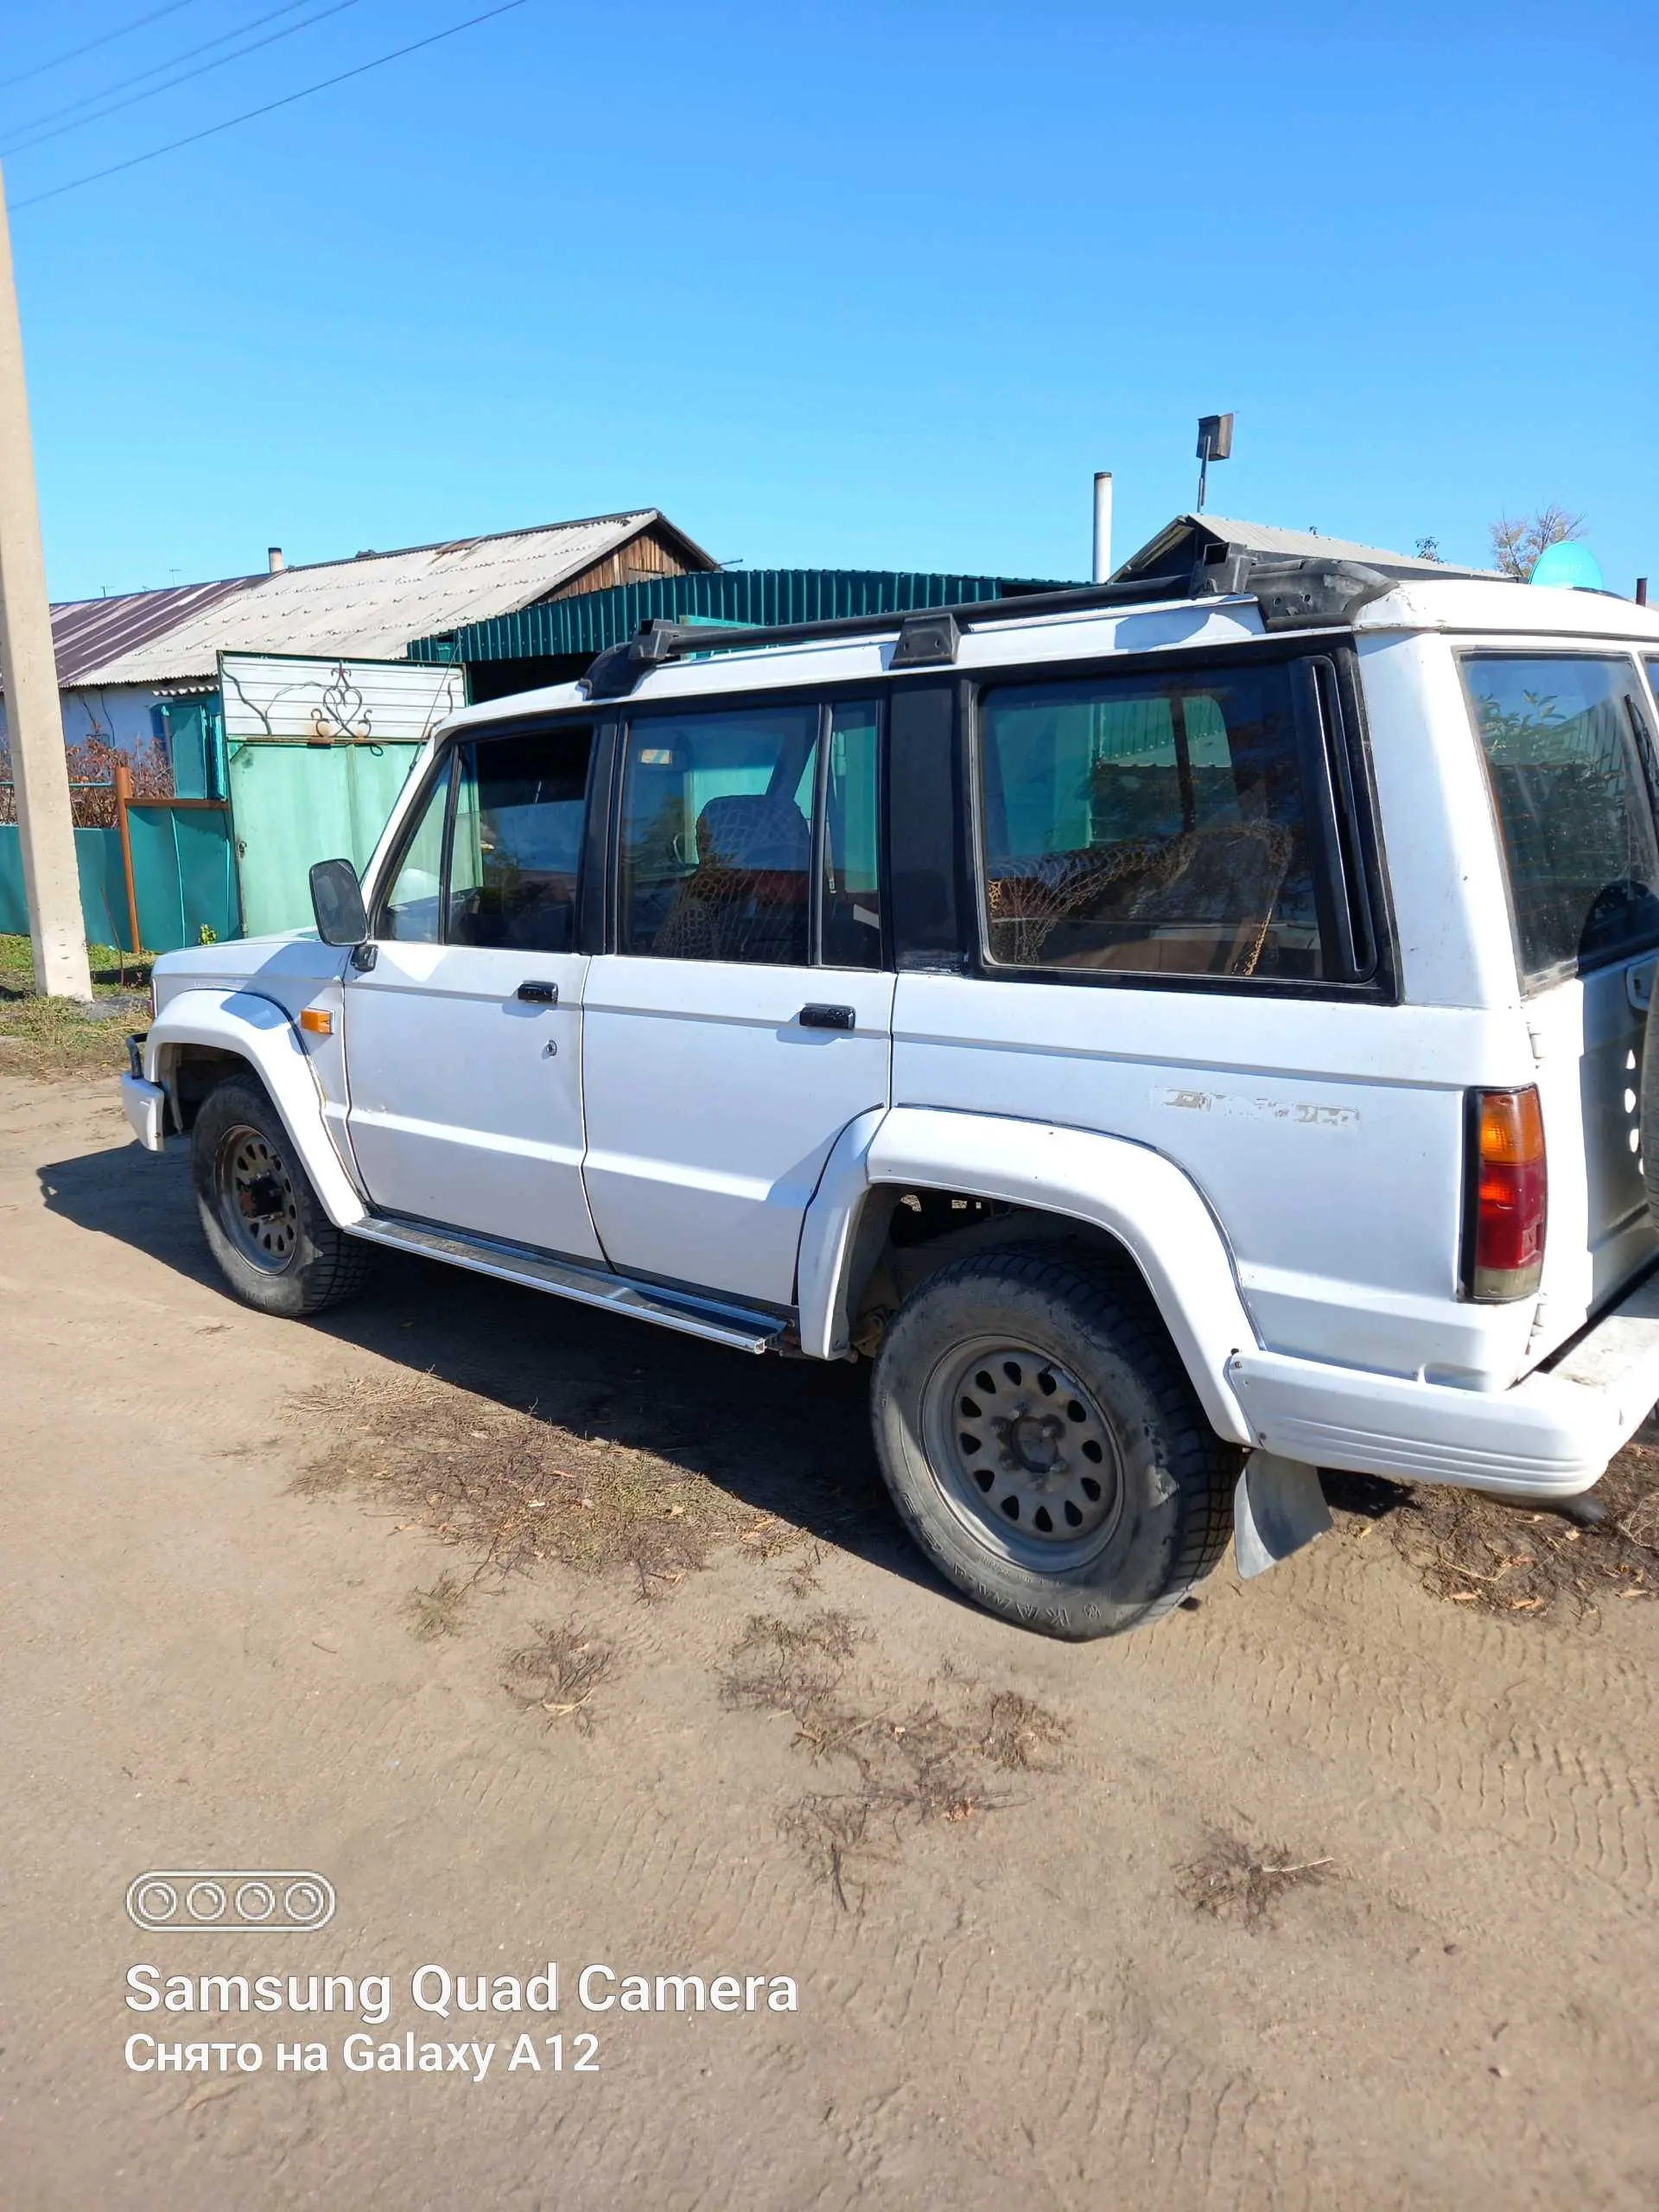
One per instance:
(264, 1224)
(1044, 1446)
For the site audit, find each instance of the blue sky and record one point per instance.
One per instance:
(845, 285)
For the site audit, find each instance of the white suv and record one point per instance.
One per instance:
(1136, 1020)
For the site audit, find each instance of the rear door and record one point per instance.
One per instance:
(463, 1039)
(1568, 746)
(745, 1016)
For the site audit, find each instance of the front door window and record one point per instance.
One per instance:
(412, 911)
(519, 809)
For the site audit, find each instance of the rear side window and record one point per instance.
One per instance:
(1565, 737)
(1149, 825)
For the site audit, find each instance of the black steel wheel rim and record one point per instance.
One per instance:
(256, 1200)
(1022, 1453)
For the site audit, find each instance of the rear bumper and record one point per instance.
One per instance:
(1550, 1436)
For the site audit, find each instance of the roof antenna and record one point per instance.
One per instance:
(1215, 443)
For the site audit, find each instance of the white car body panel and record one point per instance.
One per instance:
(466, 1101)
(260, 1032)
(1278, 1110)
(711, 1111)
(1127, 1189)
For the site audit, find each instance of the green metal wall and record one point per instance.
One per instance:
(592, 620)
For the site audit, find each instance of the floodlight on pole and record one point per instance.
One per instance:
(1215, 443)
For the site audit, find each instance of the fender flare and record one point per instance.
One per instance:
(1134, 1194)
(262, 1033)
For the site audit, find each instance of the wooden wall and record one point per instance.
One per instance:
(654, 551)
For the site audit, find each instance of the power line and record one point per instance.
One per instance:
(103, 39)
(141, 76)
(22, 145)
(270, 107)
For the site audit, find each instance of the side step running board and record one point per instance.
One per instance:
(736, 1326)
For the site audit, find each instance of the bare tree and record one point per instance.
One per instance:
(1517, 544)
(1428, 548)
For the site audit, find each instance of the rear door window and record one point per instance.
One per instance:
(1569, 755)
(1148, 825)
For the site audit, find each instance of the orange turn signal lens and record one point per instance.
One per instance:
(316, 1022)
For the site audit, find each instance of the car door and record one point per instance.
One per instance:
(463, 1036)
(744, 1017)
(1569, 755)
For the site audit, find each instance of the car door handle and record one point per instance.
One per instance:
(828, 1017)
(540, 993)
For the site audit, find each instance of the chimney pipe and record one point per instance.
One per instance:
(1640, 591)
(274, 555)
(1102, 524)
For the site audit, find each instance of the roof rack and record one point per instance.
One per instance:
(1291, 594)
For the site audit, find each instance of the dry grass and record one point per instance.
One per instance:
(909, 1765)
(1230, 1880)
(57, 1039)
(1476, 1551)
(435, 1613)
(53, 1040)
(512, 1490)
(558, 1674)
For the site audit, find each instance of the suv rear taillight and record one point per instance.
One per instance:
(1504, 1243)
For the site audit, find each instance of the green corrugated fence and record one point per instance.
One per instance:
(183, 871)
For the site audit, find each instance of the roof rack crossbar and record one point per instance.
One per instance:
(1290, 593)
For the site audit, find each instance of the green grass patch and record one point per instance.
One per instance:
(112, 969)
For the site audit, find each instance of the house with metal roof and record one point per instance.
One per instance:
(129, 666)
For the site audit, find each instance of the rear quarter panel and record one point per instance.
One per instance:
(1327, 1139)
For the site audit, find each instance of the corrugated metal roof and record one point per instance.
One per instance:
(1266, 537)
(87, 633)
(589, 622)
(368, 608)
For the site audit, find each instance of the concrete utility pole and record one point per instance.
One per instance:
(39, 766)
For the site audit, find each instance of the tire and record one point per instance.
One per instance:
(288, 1259)
(1100, 1495)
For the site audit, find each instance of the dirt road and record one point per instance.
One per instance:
(1330, 1889)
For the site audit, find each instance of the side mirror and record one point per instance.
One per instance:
(337, 902)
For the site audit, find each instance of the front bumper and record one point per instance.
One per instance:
(1549, 1436)
(143, 1104)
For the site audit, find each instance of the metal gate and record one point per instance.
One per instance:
(318, 752)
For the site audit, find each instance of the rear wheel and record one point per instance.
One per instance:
(264, 1224)
(1044, 1446)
